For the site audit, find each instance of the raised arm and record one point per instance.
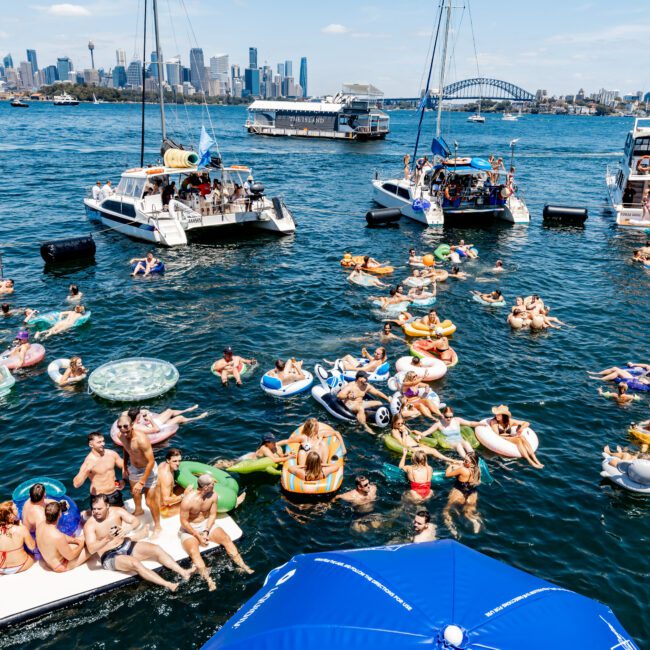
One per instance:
(82, 474)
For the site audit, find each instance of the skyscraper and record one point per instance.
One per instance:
(197, 69)
(134, 74)
(64, 67)
(281, 69)
(219, 65)
(120, 58)
(288, 68)
(7, 61)
(31, 57)
(303, 75)
(153, 67)
(119, 76)
(50, 74)
(252, 81)
(252, 57)
(235, 71)
(26, 75)
(174, 71)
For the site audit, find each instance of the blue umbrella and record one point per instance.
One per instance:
(433, 595)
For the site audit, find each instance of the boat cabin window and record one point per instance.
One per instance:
(126, 209)
(633, 194)
(641, 146)
(389, 187)
(403, 192)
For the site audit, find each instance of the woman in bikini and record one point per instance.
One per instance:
(419, 475)
(464, 493)
(14, 537)
(410, 439)
(313, 469)
(507, 427)
(74, 373)
(414, 395)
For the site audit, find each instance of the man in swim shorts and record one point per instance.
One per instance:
(59, 551)
(171, 494)
(230, 365)
(364, 493)
(424, 530)
(353, 396)
(140, 469)
(110, 533)
(99, 466)
(198, 528)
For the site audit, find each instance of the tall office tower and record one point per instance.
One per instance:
(252, 81)
(7, 61)
(91, 49)
(120, 58)
(174, 74)
(153, 66)
(26, 75)
(31, 57)
(281, 69)
(50, 74)
(288, 68)
(235, 71)
(252, 57)
(303, 75)
(119, 76)
(134, 74)
(197, 69)
(219, 65)
(64, 67)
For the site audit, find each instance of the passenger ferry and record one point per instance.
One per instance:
(629, 181)
(353, 114)
(65, 100)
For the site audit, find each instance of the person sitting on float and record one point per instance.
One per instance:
(350, 363)
(288, 372)
(144, 264)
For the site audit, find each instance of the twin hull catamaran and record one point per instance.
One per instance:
(207, 195)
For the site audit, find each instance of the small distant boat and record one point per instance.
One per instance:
(509, 117)
(65, 100)
(477, 118)
(97, 101)
(18, 103)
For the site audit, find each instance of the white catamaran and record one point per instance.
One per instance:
(186, 196)
(451, 187)
(629, 182)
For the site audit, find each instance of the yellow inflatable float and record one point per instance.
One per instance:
(328, 485)
(350, 261)
(417, 328)
(641, 432)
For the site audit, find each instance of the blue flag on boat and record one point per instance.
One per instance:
(439, 147)
(204, 147)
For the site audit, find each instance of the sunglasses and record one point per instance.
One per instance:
(364, 485)
(123, 426)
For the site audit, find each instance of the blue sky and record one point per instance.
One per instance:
(552, 44)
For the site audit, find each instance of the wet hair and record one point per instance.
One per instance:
(424, 514)
(5, 307)
(99, 497)
(133, 412)
(279, 364)
(622, 388)
(310, 428)
(313, 466)
(36, 492)
(392, 292)
(52, 512)
(455, 269)
(361, 374)
(360, 479)
(94, 434)
(387, 326)
(7, 514)
(74, 289)
(173, 452)
(395, 419)
(419, 458)
(8, 280)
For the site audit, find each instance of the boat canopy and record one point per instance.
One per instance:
(296, 107)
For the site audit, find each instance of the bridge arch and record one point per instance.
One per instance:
(485, 88)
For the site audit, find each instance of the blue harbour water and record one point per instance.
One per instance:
(271, 297)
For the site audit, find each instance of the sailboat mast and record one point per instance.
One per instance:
(163, 126)
(441, 85)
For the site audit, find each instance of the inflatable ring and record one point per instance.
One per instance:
(166, 431)
(350, 261)
(391, 443)
(502, 446)
(380, 374)
(159, 267)
(416, 282)
(273, 385)
(487, 303)
(466, 433)
(424, 348)
(50, 318)
(424, 302)
(452, 193)
(633, 476)
(7, 380)
(634, 384)
(35, 354)
(395, 308)
(326, 486)
(429, 369)
(643, 165)
(442, 252)
(133, 379)
(225, 485)
(641, 432)
(416, 328)
(244, 369)
(54, 371)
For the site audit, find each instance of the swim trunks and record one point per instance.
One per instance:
(136, 473)
(108, 558)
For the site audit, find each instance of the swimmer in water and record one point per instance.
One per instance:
(621, 396)
(464, 492)
(67, 320)
(494, 296)
(419, 475)
(231, 365)
(498, 267)
(144, 265)
(423, 529)
(75, 295)
(6, 286)
(458, 274)
(414, 260)
(363, 494)
(387, 335)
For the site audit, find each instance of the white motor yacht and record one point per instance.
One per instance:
(65, 100)
(509, 117)
(629, 181)
(477, 118)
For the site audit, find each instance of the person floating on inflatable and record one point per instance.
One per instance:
(231, 365)
(67, 320)
(146, 265)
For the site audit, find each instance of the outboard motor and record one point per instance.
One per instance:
(257, 190)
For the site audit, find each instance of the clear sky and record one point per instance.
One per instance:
(558, 45)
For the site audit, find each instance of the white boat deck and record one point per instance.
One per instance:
(39, 590)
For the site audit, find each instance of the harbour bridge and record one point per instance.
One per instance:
(477, 88)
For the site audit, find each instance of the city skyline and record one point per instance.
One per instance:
(589, 48)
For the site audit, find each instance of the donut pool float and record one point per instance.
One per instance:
(133, 379)
(166, 431)
(502, 446)
(429, 368)
(35, 354)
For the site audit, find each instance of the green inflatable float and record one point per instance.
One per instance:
(225, 485)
